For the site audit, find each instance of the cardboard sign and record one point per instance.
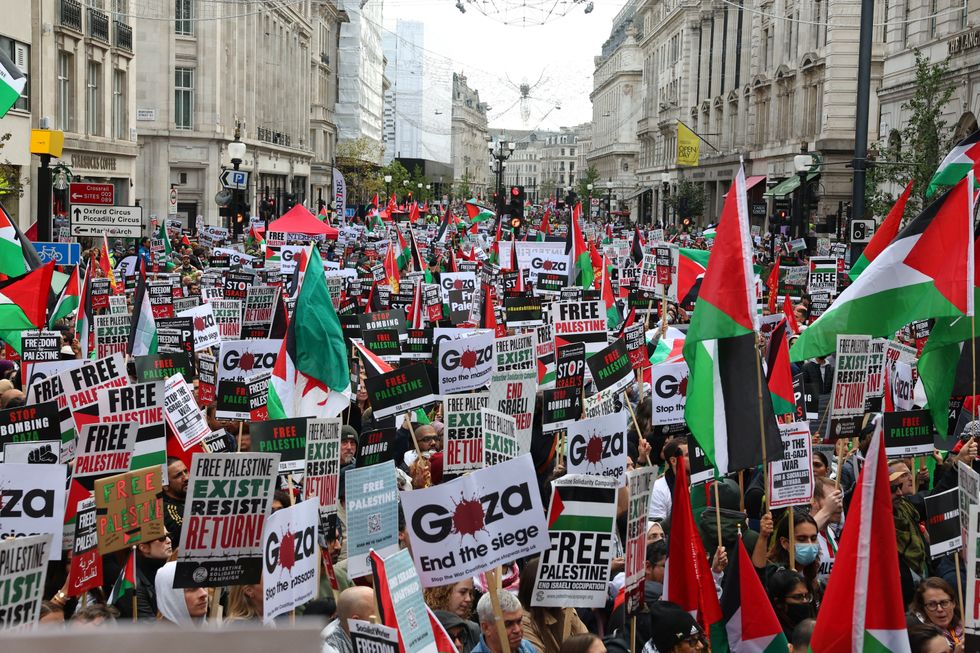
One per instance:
(943, 522)
(664, 261)
(823, 275)
(207, 382)
(239, 360)
(366, 637)
(640, 481)
(104, 449)
(157, 367)
(876, 375)
(850, 383)
(791, 478)
(462, 435)
(432, 300)
(574, 569)
(321, 466)
(260, 308)
(286, 437)
(400, 390)
(257, 389)
(648, 273)
(514, 394)
(583, 322)
(221, 540)
(597, 446)
(85, 570)
(40, 346)
(129, 509)
(228, 316)
(907, 433)
(383, 343)
(290, 559)
(375, 446)
(418, 345)
(81, 386)
(143, 404)
(636, 346)
(161, 298)
(411, 616)
(371, 499)
(236, 285)
(175, 334)
(32, 423)
(23, 567)
(610, 367)
(499, 437)
(206, 333)
(514, 354)
(183, 416)
(549, 283)
(668, 393)
(475, 522)
(33, 500)
(537, 258)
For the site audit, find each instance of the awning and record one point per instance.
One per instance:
(750, 182)
(788, 185)
(636, 194)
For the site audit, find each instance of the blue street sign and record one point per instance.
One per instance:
(60, 253)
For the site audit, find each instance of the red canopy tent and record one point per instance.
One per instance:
(298, 220)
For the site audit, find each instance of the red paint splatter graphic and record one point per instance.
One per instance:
(458, 284)
(199, 324)
(247, 362)
(468, 360)
(287, 551)
(682, 387)
(468, 517)
(548, 265)
(593, 450)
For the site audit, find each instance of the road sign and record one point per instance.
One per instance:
(95, 220)
(223, 197)
(172, 206)
(595, 201)
(862, 231)
(60, 253)
(104, 194)
(234, 179)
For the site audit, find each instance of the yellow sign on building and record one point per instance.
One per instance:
(688, 146)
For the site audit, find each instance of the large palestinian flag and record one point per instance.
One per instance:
(24, 304)
(779, 375)
(12, 83)
(750, 622)
(311, 377)
(860, 613)
(957, 163)
(580, 270)
(142, 327)
(923, 273)
(724, 410)
(884, 234)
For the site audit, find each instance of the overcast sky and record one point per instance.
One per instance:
(497, 58)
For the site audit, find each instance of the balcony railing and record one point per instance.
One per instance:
(124, 36)
(98, 25)
(70, 14)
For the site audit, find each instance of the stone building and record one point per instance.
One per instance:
(469, 138)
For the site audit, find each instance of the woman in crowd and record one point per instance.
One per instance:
(245, 603)
(584, 643)
(927, 639)
(791, 600)
(183, 607)
(934, 604)
(806, 550)
(456, 598)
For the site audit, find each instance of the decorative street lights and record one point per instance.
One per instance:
(802, 163)
(388, 185)
(500, 152)
(664, 194)
(589, 187)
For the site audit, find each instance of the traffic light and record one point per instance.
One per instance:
(516, 223)
(782, 215)
(515, 200)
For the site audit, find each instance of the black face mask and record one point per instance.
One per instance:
(797, 612)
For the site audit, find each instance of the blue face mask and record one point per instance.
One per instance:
(806, 553)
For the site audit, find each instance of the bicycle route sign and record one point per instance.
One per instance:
(60, 253)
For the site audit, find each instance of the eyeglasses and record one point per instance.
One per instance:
(802, 597)
(932, 606)
(163, 538)
(691, 640)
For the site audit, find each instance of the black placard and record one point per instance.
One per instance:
(157, 367)
(522, 311)
(286, 437)
(610, 367)
(400, 390)
(375, 446)
(907, 433)
(570, 365)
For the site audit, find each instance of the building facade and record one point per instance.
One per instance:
(325, 93)
(16, 42)
(558, 159)
(360, 102)
(469, 139)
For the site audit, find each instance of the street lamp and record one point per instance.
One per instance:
(388, 185)
(802, 163)
(500, 153)
(236, 150)
(664, 194)
(609, 187)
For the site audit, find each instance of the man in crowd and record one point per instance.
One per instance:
(150, 556)
(513, 615)
(348, 445)
(174, 495)
(353, 603)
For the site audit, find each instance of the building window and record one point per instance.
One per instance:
(93, 99)
(120, 121)
(964, 15)
(933, 18)
(66, 93)
(184, 98)
(20, 54)
(184, 17)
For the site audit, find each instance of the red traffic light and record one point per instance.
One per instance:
(515, 191)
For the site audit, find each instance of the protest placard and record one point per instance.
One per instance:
(206, 333)
(141, 403)
(33, 500)
(462, 282)
(411, 617)
(157, 367)
(432, 300)
(514, 394)
(322, 464)
(31, 423)
(943, 522)
(569, 364)
(400, 390)
(583, 322)
(40, 346)
(640, 481)
(560, 407)
(610, 367)
(521, 312)
(257, 389)
(465, 363)
(636, 346)
(574, 569)
(104, 449)
(971, 613)
(668, 393)
(161, 295)
(382, 320)
(475, 522)
(286, 437)
(601, 403)
(371, 500)
(968, 491)
(597, 446)
(228, 316)
(850, 383)
(791, 478)
(228, 499)
(85, 569)
(183, 416)
(375, 446)
(366, 637)
(129, 509)
(513, 354)
(237, 361)
(537, 257)
(417, 345)
(876, 375)
(499, 437)
(290, 559)
(823, 275)
(175, 334)
(23, 566)
(462, 435)
(260, 308)
(907, 433)
(236, 285)
(207, 378)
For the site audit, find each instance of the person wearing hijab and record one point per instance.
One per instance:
(180, 606)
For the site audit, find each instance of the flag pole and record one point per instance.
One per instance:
(959, 583)
(762, 429)
(132, 553)
(717, 513)
(792, 538)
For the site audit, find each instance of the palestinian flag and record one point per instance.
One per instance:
(957, 163)
(83, 318)
(580, 271)
(925, 272)
(391, 267)
(669, 347)
(691, 265)
(311, 377)
(12, 83)
(883, 236)
(687, 577)
(545, 226)
(477, 213)
(613, 317)
(636, 247)
(404, 252)
(723, 410)
(750, 622)
(17, 253)
(142, 326)
(24, 304)
(416, 256)
(582, 509)
(790, 315)
(68, 299)
(164, 237)
(862, 607)
(373, 365)
(126, 580)
(779, 375)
